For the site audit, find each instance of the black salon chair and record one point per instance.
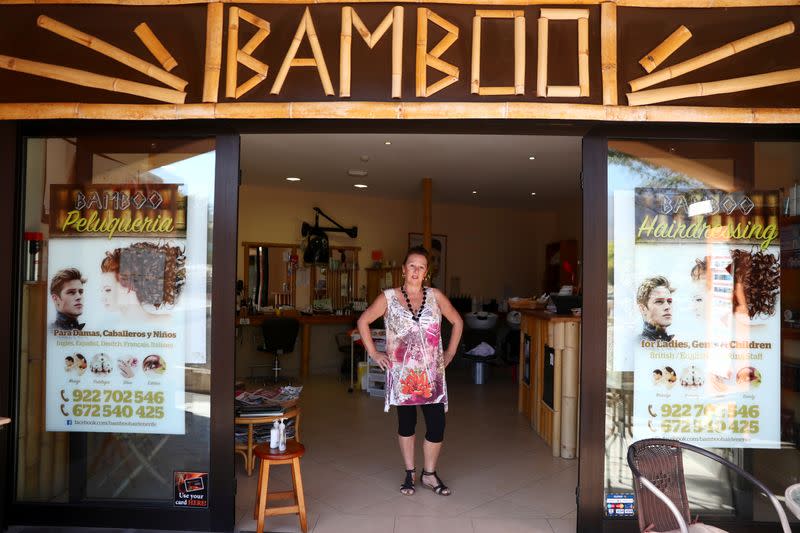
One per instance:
(280, 335)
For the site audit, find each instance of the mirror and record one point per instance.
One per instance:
(273, 278)
(270, 277)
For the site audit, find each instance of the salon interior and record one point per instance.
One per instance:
(505, 222)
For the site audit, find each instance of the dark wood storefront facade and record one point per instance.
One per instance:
(165, 69)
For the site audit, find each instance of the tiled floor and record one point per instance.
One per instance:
(503, 477)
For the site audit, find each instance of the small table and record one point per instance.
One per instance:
(246, 450)
(793, 499)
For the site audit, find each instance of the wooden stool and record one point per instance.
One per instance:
(294, 451)
(246, 450)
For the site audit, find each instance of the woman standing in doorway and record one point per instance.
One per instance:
(414, 362)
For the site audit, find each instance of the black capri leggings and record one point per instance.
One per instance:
(434, 421)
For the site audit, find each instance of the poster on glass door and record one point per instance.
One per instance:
(704, 297)
(117, 320)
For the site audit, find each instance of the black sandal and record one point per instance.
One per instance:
(441, 489)
(408, 484)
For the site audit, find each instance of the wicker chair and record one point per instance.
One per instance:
(657, 465)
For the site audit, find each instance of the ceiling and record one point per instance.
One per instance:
(496, 166)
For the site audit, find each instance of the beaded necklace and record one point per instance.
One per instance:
(414, 316)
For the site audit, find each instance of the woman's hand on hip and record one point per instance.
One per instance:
(448, 357)
(382, 360)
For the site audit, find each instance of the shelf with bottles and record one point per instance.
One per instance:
(381, 278)
(337, 281)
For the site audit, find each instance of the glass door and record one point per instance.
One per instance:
(695, 276)
(117, 336)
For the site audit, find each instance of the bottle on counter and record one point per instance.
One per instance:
(282, 435)
(274, 435)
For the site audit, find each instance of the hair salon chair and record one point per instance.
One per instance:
(280, 335)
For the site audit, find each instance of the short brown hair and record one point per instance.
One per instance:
(64, 276)
(417, 250)
(650, 284)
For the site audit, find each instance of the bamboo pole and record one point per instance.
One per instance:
(511, 110)
(558, 373)
(583, 56)
(287, 60)
(541, 64)
(733, 85)
(248, 85)
(726, 50)
(443, 66)
(231, 62)
(475, 76)
(692, 4)
(439, 85)
(667, 47)
(569, 390)
(497, 91)
(397, 51)
(446, 25)
(498, 13)
(256, 21)
(563, 91)
(256, 39)
(90, 79)
(213, 62)
(519, 54)
(563, 14)
(304, 62)
(252, 63)
(446, 42)
(608, 51)
(316, 49)
(109, 50)
(422, 52)
(155, 46)
(345, 51)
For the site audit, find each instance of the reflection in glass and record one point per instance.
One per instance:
(698, 345)
(136, 284)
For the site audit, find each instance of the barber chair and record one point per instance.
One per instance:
(280, 335)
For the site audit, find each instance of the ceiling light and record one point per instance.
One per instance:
(474, 192)
(292, 178)
(533, 194)
(531, 157)
(388, 143)
(360, 186)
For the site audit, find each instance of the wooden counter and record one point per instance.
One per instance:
(550, 360)
(306, 321)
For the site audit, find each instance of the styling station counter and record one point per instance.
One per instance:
(548, 377)
(306, 323)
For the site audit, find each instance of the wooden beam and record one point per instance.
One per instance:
(733, 85)
(692, 4)
(427, 215)
(213, 63)
(155, 46)
(608, 51)
(109, 50)
(90, 79)
(718, 54)
(667, 47)
(401, 111)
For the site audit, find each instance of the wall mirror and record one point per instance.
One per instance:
(270, 275)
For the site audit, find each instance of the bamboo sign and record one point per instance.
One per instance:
(733, 85)
(417, 60)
